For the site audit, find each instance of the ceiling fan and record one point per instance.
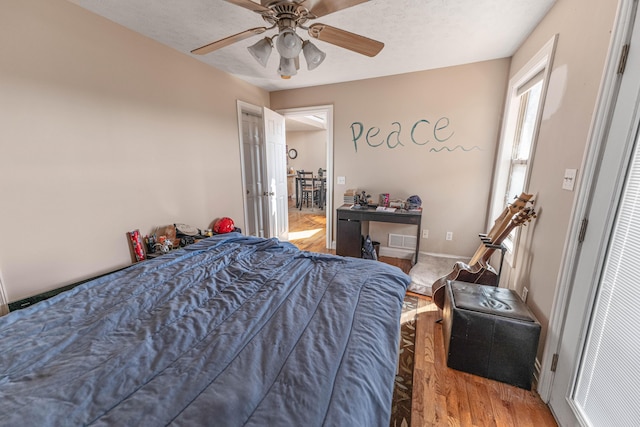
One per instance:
(287, 16)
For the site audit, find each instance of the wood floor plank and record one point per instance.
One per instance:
(453, 402)
(418, 403)
(501, 407)
(443, 396)
(464, 408)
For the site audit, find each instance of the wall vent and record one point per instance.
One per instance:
(402, 241)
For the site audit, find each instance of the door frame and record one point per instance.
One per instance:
(4, 303)
(605, 103)
(329, 202)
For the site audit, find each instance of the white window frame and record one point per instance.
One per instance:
(539, 64)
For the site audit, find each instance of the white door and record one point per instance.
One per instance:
(264, 171)
(597, 378)
(252, 152)
(276, 173)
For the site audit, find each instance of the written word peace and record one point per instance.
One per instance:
(440, 131)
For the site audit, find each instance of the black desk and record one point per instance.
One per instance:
(353, 223)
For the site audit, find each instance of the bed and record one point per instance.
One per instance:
(232, 330)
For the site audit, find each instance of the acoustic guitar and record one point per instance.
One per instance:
(478, 270)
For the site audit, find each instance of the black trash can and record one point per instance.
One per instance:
(376, 247)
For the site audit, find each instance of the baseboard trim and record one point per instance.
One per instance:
(396, 253)
(408, 254)
(26, 302)
(445, 255)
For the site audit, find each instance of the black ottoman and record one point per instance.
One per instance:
(490, 332)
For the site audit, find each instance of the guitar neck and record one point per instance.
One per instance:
(516, 220)
(489, 250)
(499, 226)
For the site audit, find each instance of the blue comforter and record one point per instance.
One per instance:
(229, 331)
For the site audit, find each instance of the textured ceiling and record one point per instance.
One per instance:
(418, 34)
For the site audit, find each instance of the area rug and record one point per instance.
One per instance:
(402, 391)
(429, 269)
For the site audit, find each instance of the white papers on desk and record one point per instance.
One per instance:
(385, 209)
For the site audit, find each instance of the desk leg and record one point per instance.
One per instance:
(418, 241)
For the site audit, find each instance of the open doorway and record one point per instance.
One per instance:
(310, 147)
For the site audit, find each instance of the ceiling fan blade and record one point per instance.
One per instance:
(228, 40)
(324, 7)
(345, 39)
(248, 4)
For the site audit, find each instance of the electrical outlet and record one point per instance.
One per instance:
(569, 179)
(341, 180)
(425, 234)
(449, 235)
(525, 293)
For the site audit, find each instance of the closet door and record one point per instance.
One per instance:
(275, 189)
(597, 378)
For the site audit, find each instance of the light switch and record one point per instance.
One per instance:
(341, 180)
(569, 179)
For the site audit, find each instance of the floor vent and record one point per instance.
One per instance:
(402, 241)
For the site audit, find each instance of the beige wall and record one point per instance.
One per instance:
(584, 34)
(463, 108)
(311, 147)
(103, 131)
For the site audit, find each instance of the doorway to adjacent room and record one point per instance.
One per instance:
(310, 135)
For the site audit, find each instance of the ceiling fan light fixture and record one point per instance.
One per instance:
(288, 43)
(287, 16)
(261, 50)
(287, 67)
(312, 55)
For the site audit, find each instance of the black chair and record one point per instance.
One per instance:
(320, 185)
(308, 191)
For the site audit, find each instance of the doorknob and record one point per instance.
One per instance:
(266, 193)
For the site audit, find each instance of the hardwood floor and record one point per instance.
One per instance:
(308, 230)
(446, 397)
(442, 396)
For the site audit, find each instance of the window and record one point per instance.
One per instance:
(526, 123)
(523, 111)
